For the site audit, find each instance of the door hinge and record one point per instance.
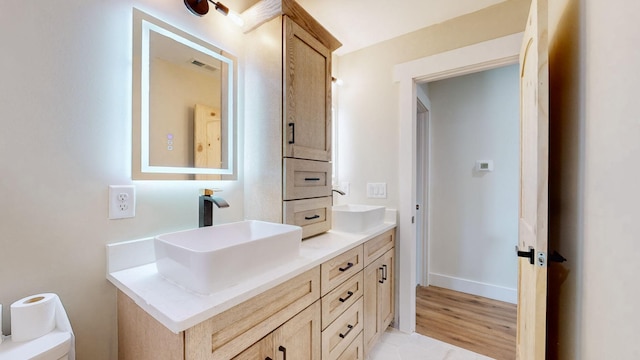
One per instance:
(539, 258)
(527, 254)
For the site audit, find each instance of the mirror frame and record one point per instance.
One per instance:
(143, 23)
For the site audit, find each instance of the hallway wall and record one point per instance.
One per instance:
(474, 214)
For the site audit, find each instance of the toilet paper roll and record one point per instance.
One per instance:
(33, 316)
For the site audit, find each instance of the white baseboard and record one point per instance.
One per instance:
(490, 291)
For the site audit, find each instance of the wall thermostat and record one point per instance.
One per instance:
(484, 165)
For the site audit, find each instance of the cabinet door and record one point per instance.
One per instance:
(378, 298)
(299, 338)
(307, 95)
(262, 350)
(372, 276)
(354, 351)
(386, 298)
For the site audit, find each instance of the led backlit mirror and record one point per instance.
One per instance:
(183, 105)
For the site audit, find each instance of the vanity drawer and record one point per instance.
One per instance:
(305, 179)
(341, 298)
(231, 332)
(355, 351)
(337, 270)
(377, 246)
(313, 215)
(341, 333)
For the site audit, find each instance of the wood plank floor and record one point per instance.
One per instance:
(482, 325)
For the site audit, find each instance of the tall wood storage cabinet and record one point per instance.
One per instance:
(303, 69)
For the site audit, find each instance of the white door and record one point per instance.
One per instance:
(534, 169)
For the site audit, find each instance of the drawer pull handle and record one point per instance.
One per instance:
(311, 217)
(384, 272)
(381, 281)
(284, 352)
(348, 331)
(349, 266)
(293, 133)
(349, 294)
(311, 179)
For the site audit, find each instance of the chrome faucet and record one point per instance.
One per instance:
(206, 207)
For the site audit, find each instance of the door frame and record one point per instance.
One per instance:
(466, 60)
(423, 143)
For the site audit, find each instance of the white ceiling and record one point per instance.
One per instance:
(361, 23)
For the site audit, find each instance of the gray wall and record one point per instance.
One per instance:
(474, 215)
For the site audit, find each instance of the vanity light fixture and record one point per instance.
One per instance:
(201, 8)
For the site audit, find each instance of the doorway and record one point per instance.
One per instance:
(472, 215)
(482, 56)
(470, 222)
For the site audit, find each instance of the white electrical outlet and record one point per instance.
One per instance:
(122, 201)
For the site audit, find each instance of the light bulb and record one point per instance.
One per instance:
(235, 17)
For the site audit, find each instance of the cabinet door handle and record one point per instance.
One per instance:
(348, 331)
(349, 266)
(349, 294)
(293, 133)
(284, 352)
(311, 217)
(384, 272)
(381, 281)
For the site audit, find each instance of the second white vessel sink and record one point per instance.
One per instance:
(209, 259)
(357, 218)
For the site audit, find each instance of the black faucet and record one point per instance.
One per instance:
(206, 207)
(339, 191)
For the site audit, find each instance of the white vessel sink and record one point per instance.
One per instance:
(209, 259)
(357, 218)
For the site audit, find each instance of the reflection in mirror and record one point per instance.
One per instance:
(183, 105)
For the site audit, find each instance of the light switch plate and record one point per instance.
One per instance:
(377, 190)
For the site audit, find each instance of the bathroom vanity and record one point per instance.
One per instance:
(332, 302)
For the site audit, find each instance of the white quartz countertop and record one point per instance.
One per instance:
(132, 270)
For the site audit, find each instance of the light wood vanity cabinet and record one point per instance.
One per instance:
(335, 311)
(288, 116)
(357, 298)
(275, 316)
(306, 129)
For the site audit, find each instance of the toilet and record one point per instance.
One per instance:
(55, 345)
